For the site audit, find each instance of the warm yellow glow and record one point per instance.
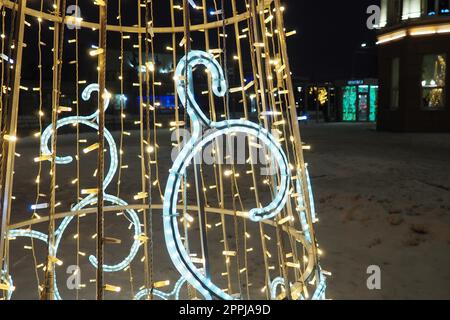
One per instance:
(414, 32)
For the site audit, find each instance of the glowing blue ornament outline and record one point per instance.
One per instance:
(319, 293)
(89, 121)
(163, 295)
(7, 279)
(175, 247)
(278, 282)
(181, 259)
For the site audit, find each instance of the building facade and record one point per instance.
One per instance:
(414, 49)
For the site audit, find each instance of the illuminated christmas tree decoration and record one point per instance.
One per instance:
(170, 186)
(91, 195)
(175, 247)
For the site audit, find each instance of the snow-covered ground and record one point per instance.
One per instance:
(382, 198)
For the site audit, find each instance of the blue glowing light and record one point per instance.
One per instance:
(176, 248)
(92, 122)
(175, 293)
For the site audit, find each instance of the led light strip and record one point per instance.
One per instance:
(414, 32)
(175, 247)
(45, 137)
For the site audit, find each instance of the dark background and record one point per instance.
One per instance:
(327, 45)
(329, 37)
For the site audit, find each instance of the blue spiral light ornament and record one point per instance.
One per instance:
(175, 293)
(175, 247)
(89, 121)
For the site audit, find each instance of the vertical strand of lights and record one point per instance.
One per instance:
(271, 112)
(122, 98)
(2, 90)
(153, 147)
(267, 35)
(246, 116)
(234, 185)
(48, 292)
(2, 68)
(233, 181)
(142, 105)
(39, 115)
(174, 62)
(260, 90)
(213, 114)
(302, 193)
(186, 75)
(148, 214)
(283, 101)
(103, 16)
(211, 101)
(190, 288)
(269, 78)
(279, 76)
(200, 201)
(259, 104)
(203, 220)
(221, 45)
(78, 178)
(211, 108)
(301, 166)
(122, 118)
(9, 130)
(151, 70)
(6, 95)
(220, 156)
(3, 93)
(301, 169)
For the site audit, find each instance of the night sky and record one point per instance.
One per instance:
(326, 47)
(329, 35)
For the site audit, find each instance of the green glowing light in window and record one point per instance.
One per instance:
(373, 103)
(349, 103)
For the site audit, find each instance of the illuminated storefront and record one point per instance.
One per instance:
(358, 100)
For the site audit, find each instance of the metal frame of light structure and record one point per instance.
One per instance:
(175, 247)
(92, 198)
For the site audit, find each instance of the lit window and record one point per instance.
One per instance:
(395, 81)
(433, 81)
(349, 103)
